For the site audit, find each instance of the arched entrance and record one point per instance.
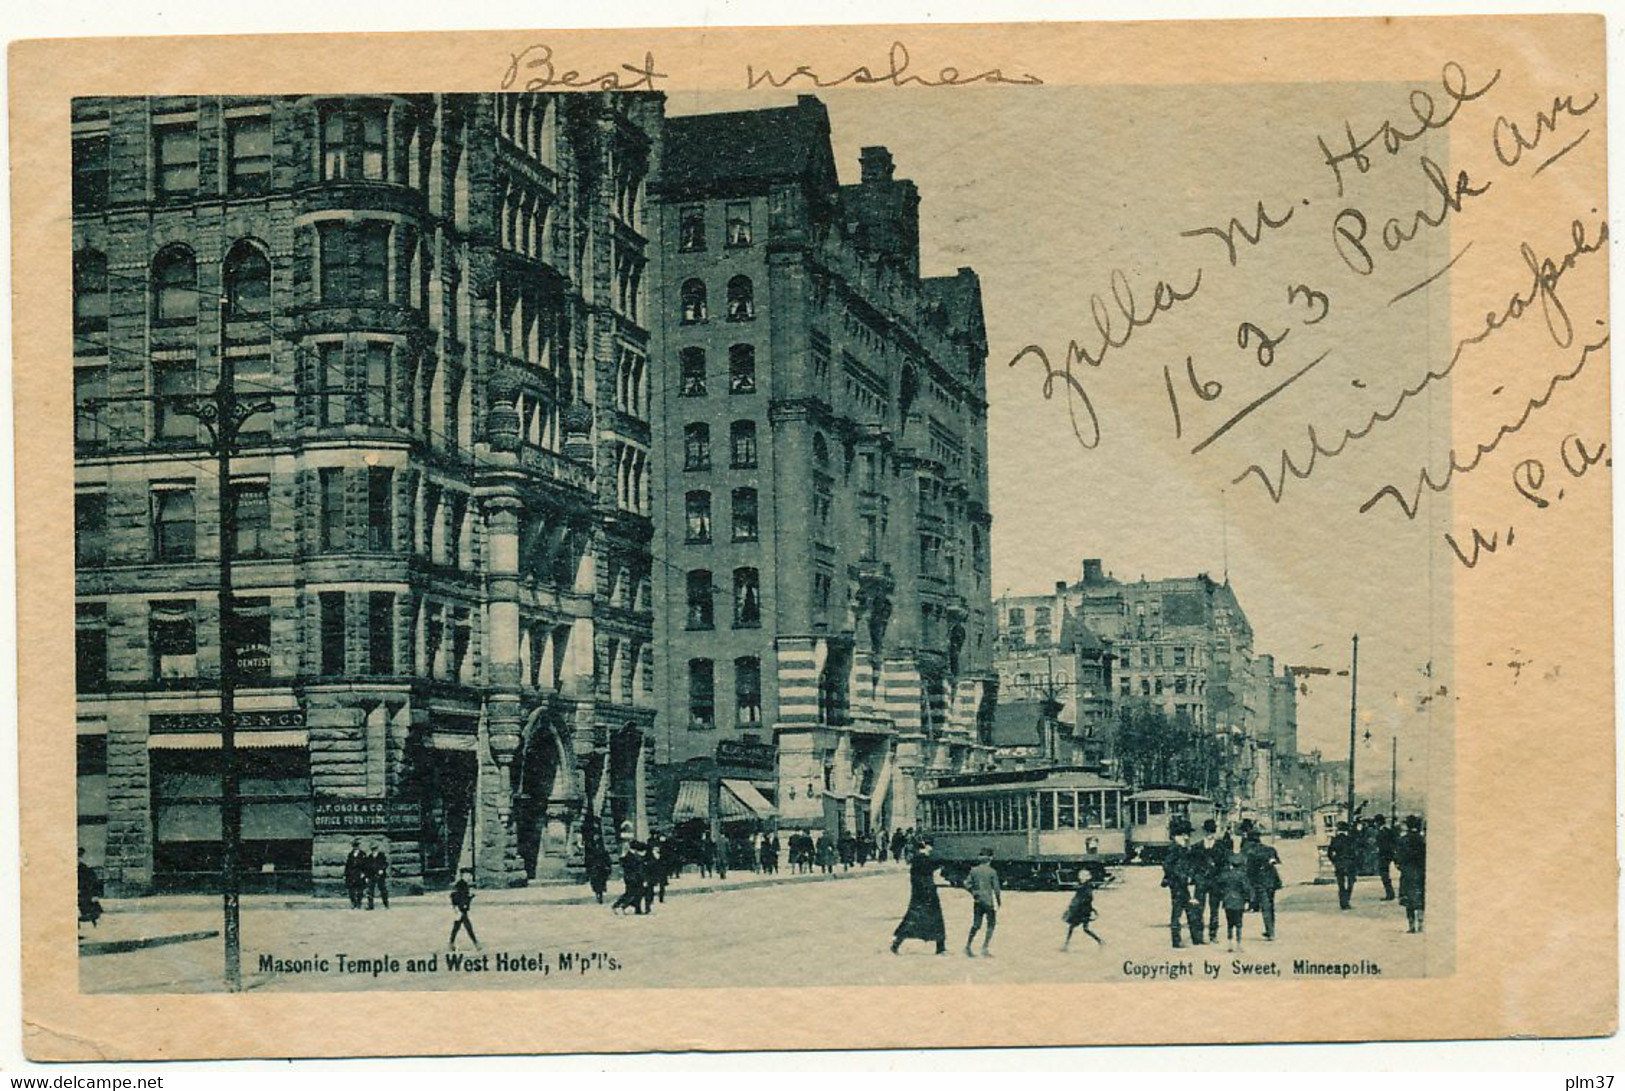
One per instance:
(536, 781)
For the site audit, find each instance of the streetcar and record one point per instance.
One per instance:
(1151, 811)
(1291, 821)
(1043, 825)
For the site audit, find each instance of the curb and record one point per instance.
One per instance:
(120, 946)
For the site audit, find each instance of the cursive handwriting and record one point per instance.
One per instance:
(895, 74)
(1543, 289)
(538, 59)
(1511, 142)
(1481, 545)
(1349, 227)
(1109, 335)
(1227, 235)
(1393, 136)
(1425, 480)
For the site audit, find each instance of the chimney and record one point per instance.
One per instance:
(877, 165)
(1060, 587)
(1092, 571)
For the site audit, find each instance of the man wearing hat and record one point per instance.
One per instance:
(1344, 853)
(1176, 876)
(1213, 856)
(1387, 838)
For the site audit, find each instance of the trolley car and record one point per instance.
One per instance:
(1151, 812)
(1043, 825)
(1291, 821)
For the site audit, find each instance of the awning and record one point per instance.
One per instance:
(693, 801)
(740, 799)
(210, 740)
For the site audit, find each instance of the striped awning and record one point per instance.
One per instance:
(741, 799)
(210, 740)
(693, 801)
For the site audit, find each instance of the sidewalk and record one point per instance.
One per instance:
(134, 923)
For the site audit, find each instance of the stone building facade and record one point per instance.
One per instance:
(442, 554)
(822, 549)
(1045, 652)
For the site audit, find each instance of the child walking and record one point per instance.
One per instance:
(1082, 910)
(1233, 894)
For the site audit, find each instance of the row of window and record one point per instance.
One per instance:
(693, 305)
(747, 599)
(692, 233)
(172, 638)
(697, 515)
(702, 693)
(245, 276)
(692, 381)
(741, 445)
(1046, 810)
(1150, 687)
(173, 524)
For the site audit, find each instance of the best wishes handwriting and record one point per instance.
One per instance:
(534, 68)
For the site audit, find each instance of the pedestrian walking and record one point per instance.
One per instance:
(847, 849)
(923, 918)
(656, 866)
(882, 841)
(378, 876)
(90, 891)
(1214, 852)
(1081, 910)
(1263, 877)
(770, 854)
(598, 869)
(1176, 877)
(1411, 854)
(1234, 893)
(1344, 853)
(356, 867)
(986, 898)
(461, 898)
(632, 875)
(1387, 841)
(898, 840)
(825, 852)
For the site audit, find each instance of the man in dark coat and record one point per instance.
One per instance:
(356, 866)
(378, 876)
(90, 889)
(1344, 853)
(923, 918)
(1387, 841)
(598, 868)
(632, 875)
(1209, 857)
(1261, 863)
(1176, 877)
(1411, 854)
(898, 840)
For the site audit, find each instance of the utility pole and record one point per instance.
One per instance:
(1354, 703)
(1393, 781)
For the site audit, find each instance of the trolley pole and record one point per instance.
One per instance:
(1354, 703)
(1393, 781)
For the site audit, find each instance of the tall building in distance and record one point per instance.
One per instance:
(442, 544)
(1182, 646)
(822, 605)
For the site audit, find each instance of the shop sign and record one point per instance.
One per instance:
(210, 721)
(748, 755)
(368, 815)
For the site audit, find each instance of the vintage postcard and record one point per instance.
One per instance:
(830, 537)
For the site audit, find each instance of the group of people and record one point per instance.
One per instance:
(1215, 873)
(923, 918)
(646, 868)
(1377, 841)
(366, 874)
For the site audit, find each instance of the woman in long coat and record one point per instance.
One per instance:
(923, 919)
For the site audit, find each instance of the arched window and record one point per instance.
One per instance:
(742, 442)
(89, 291)
(699, 600)
(742, 369)
(741, 300)
(174, 286)
(747, 598)
(693, 297)
(248, 281)
(697, 447)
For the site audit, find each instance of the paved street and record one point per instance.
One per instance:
(789, 933)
